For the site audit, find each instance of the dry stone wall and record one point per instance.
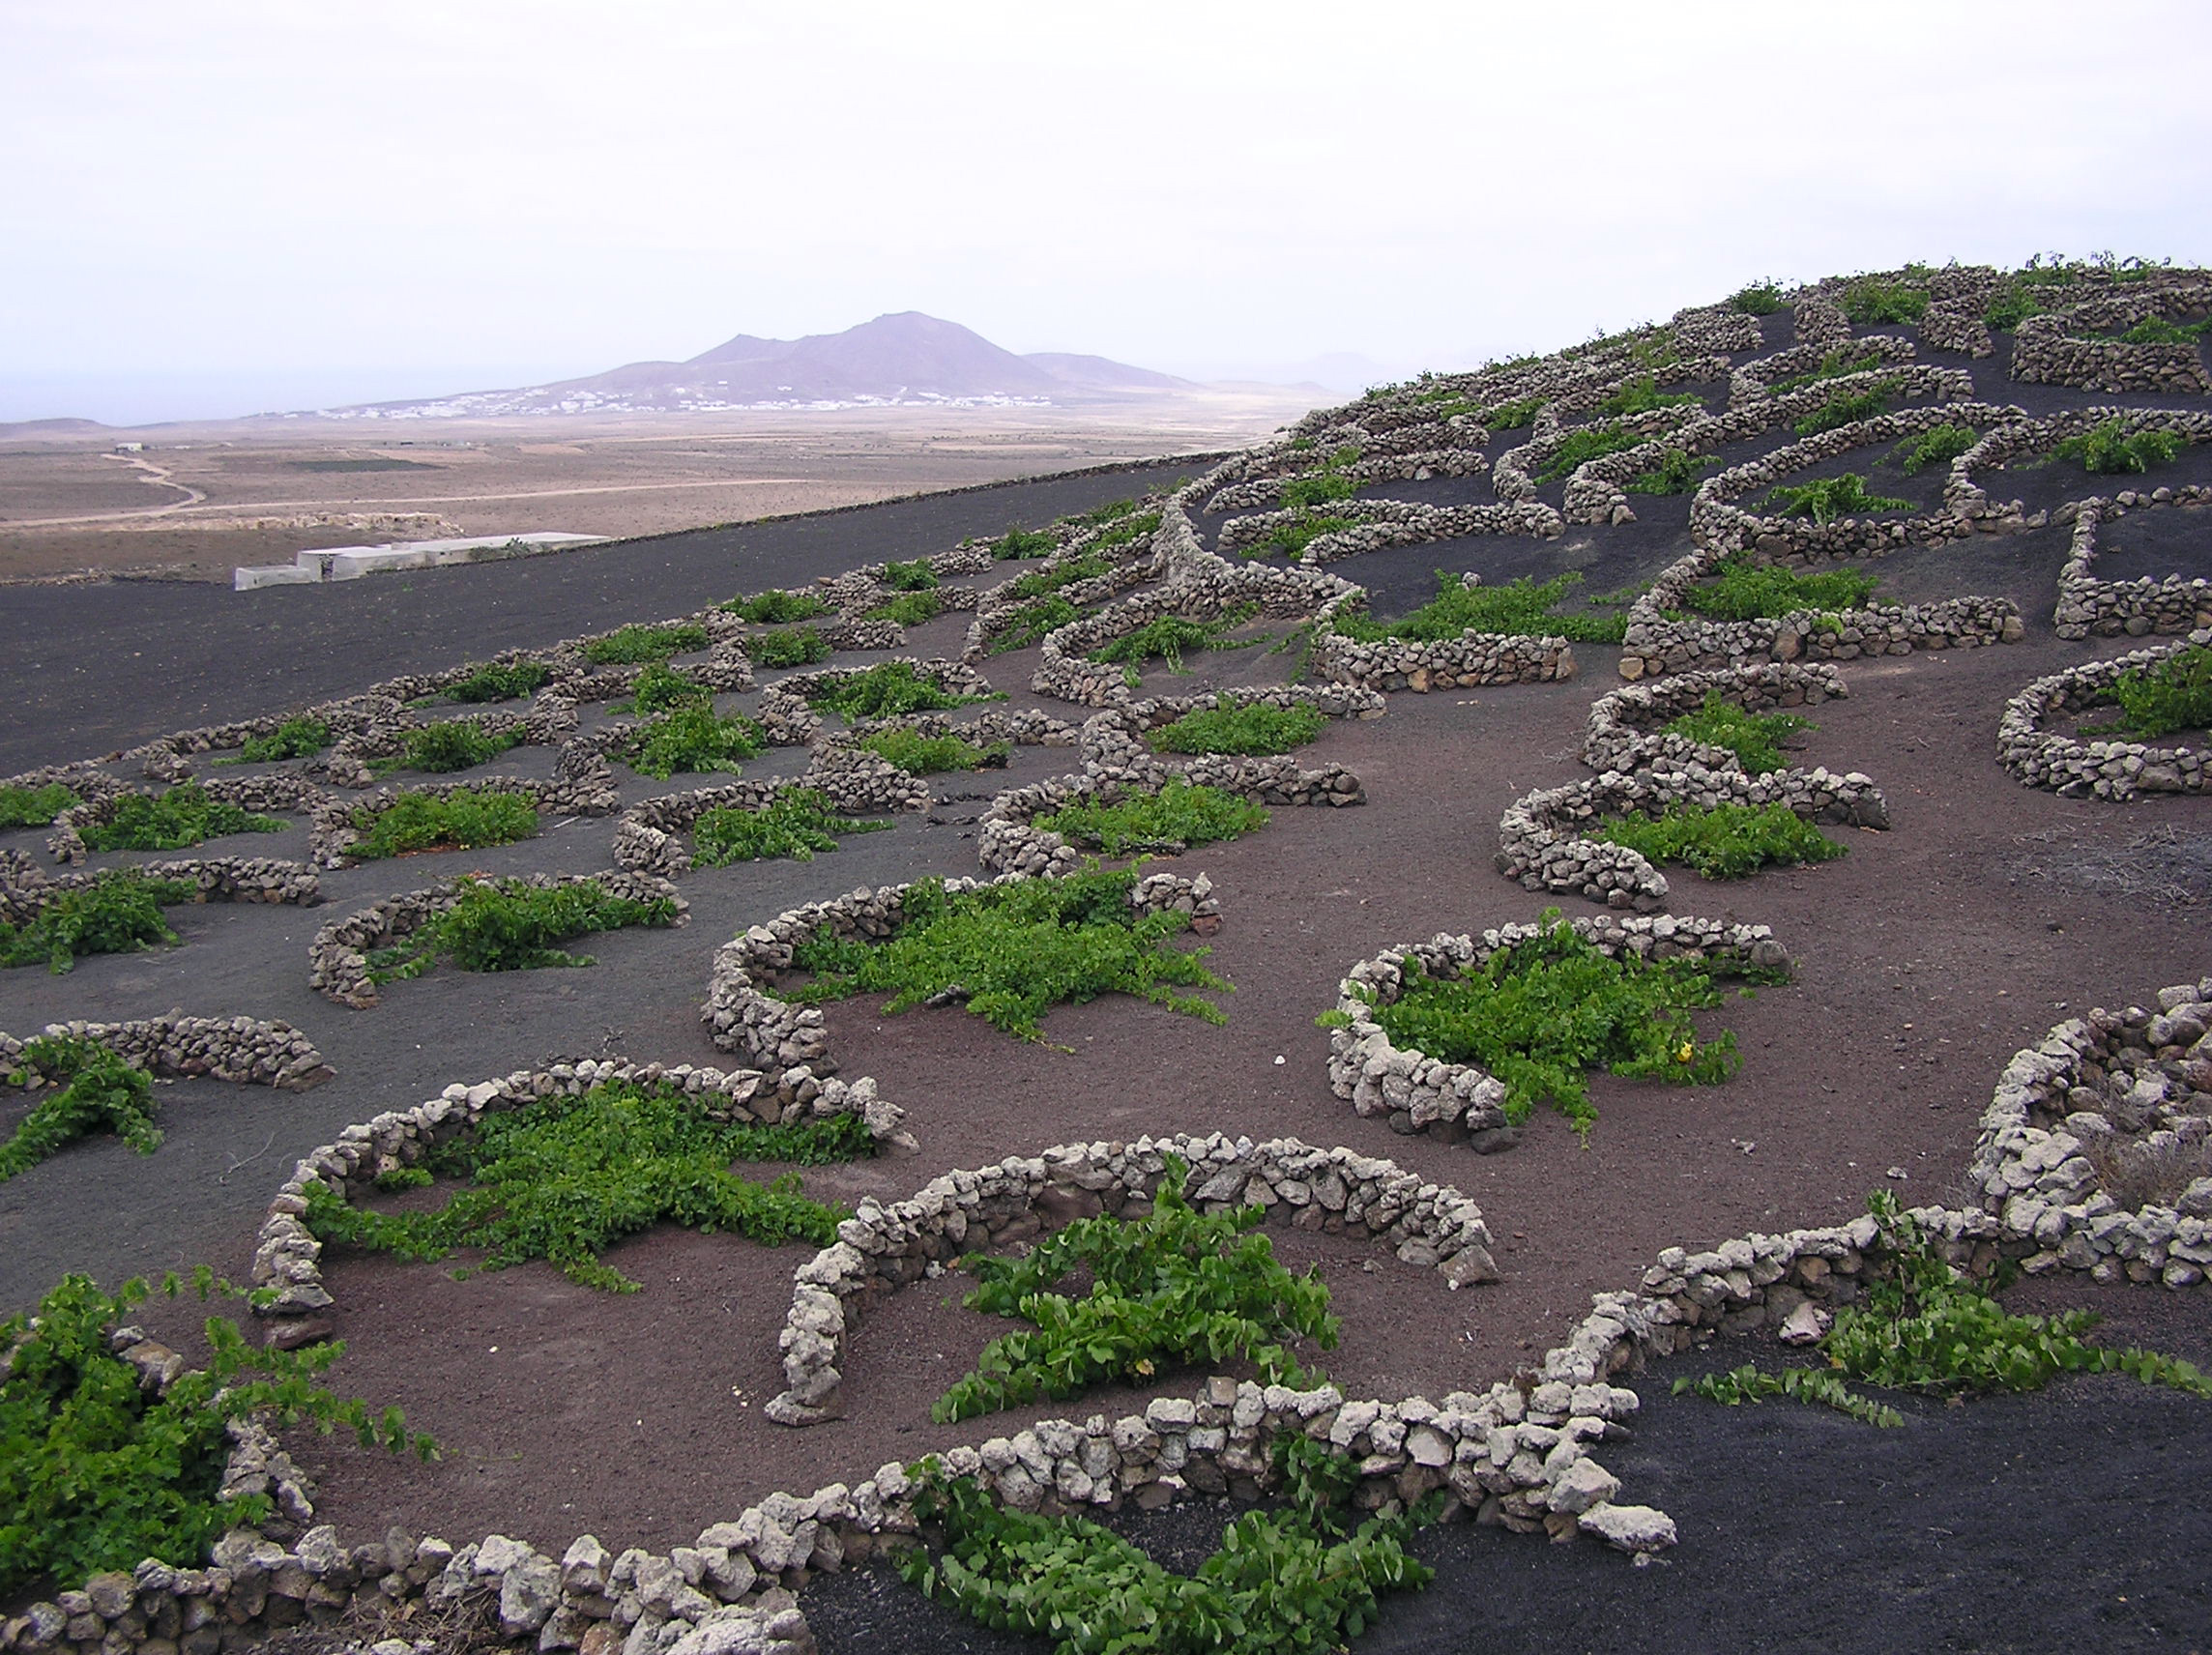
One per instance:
(2138, 608)
(249, 1050)
(25, 889)
(2076, 766)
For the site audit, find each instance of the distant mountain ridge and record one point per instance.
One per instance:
(904, 359)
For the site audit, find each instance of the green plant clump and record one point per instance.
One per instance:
(1848, 408)
(1538, 1014)
(2110, 450)
(635, 645)
(2169, 695)
(2158, 330)
(1641, 395)
(1282, 1582)
(892, 689)
(1938, 445)
(508, 682)
(1754, 738)
(294, 738)
(1043, 583)
(791, 647)
(1742, 590)
(468, 818)
(1759, 299)
(99, 1092)
(690, 740)
(1724, 841)
(1165, 637)
(1871, 300)
(776, 608)
(916, 577)
(1582, 444)
(1014, 952)
(1293, 535)
(910, 609)
(34, 806)
(1023, 543)
(509, 925)
(118, 913)
(1515, 415)
(172, 820)
(794, 825)
(1835, 364)
(1925, 1328)
(1520, 608)
(1170, 1288)
(1167, 822)
(97, 1474)
(455, 745)
(1677, 471)
(1127, 530)
(568, 1178)
(1828, 498)
(1249, 728)
(660, 688)
(1030, 623)
(2011, 306)
(916, 754)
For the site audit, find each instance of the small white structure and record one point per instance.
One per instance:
(351, 563)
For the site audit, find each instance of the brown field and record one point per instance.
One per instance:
(201, 500)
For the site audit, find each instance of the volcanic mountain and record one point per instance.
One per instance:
(903, 358)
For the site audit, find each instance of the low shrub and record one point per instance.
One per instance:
(635, 645)
(2110, 450)
(2158, 330)
(119, 913)
(1249, 728)
(2010, 305)
(1127, 530)
(1030, 623)
(794, 825)
(1641, 395)
(1722, 841)
(1318, 488)
(97, 1474)
(1112, 511)
(1540, 1013)
(98, 1092)
(567, 1177)
(1754, 738)
(1938, 445)
(1835, 364)
(1295, 535)
(910, 609)
(1758, 299)
(1520, 608)
(1167, 822)
(1174, 1288)
(172, 820)
(791, 647)
(917, 754)
(660, 688)
(507, 925)
(1024, 544)
(1582, 444)
(1848, 408)
(1515, 415)
(1871, 300)
(1742, 590)
(916, 577)
(1043, 583)
(508, 683)
(1923, 1326)
(468, 818)
(892, 689)
(1014, 952)
(34, 806)
(2165, 697)
(1165, 639)
(1829, 498)
(774, 608)
(1677, 471)
(691, 739)
(455, 745)
(295, 739)
(1282, 1582)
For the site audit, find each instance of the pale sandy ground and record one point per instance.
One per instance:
(202, 498)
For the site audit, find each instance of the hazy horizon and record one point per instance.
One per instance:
(231, 208)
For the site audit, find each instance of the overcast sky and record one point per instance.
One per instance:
(214, 206)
